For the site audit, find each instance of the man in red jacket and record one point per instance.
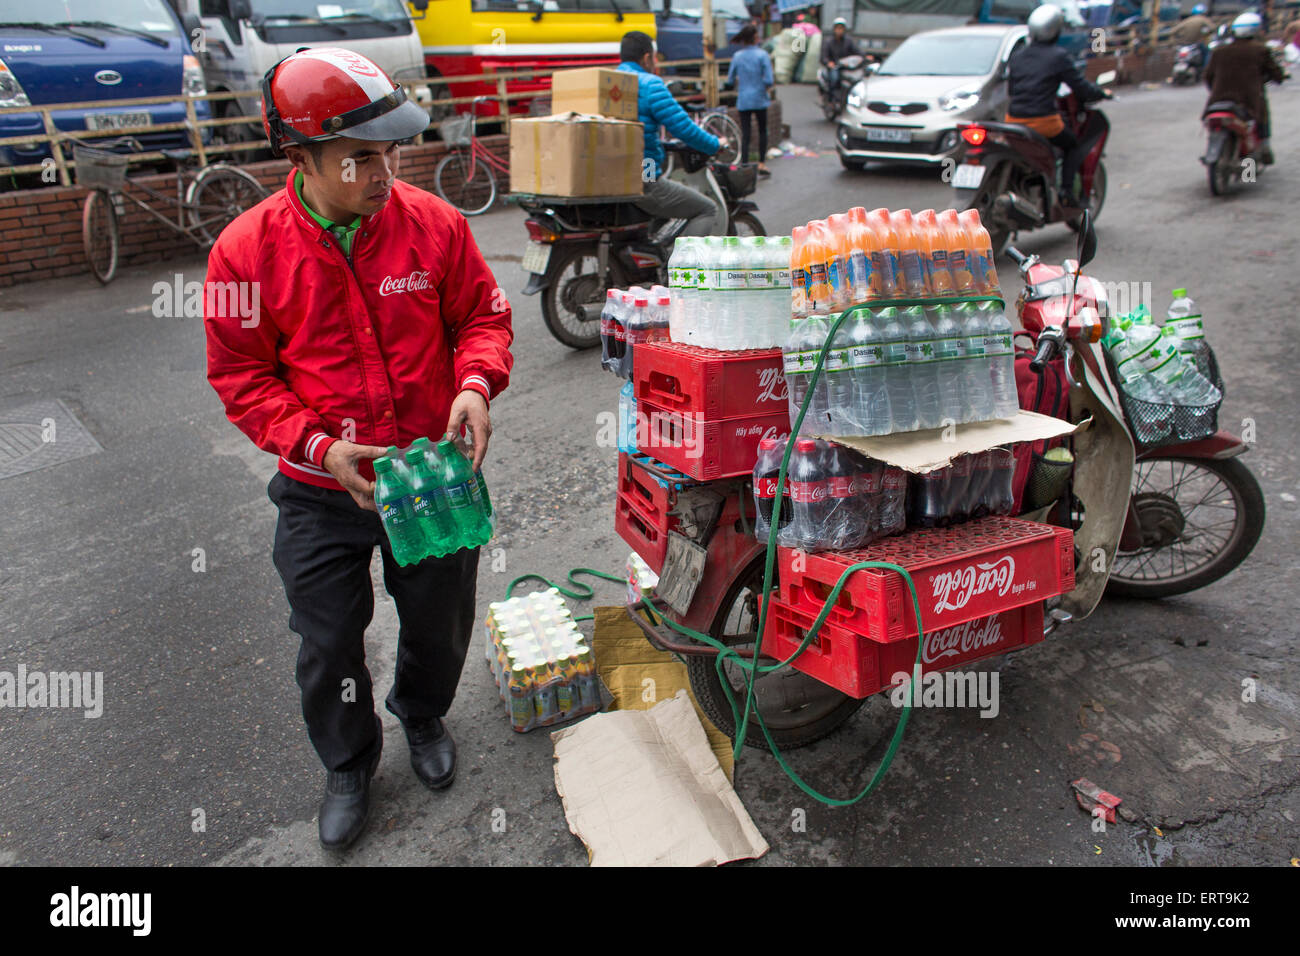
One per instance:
(346, 313)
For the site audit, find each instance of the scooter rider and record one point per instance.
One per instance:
(1034, 73)
(656, 107)
(1196, 30)
(1238, 71)
(834, 49)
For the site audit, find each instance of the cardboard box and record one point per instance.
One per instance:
(573, 154)
(595, 90)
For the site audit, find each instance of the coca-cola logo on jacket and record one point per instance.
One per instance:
(392, 285)
(953, 589)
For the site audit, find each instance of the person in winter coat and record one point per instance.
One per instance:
(751, 74)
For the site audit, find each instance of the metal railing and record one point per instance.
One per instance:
(194, 126)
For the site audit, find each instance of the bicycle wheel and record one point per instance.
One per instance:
(726, 129)
(99, 236)
(466, 182)
(218, 195)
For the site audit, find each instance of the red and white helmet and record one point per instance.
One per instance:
(320, 94)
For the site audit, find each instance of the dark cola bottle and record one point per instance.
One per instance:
(766, 471)
(809, 495)
(928, 498)
(848, 522)
(893, 500)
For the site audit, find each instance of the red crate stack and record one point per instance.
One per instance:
(705, 411)
(981, 588)
(642, 515)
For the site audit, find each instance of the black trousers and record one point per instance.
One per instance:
(323, 547)
(760, 118)
(1068, 143)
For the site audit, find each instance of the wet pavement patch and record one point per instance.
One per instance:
(40, 434)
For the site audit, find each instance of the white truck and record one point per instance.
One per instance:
(237, 41)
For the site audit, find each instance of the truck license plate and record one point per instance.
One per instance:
(115, 121)
(536, 256)
(967, 176)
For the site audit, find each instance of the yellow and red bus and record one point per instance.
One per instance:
(470, 37)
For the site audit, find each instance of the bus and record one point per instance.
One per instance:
(470, 37)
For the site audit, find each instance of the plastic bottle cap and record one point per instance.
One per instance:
(610, 293)
(383, 463)
(415, 456)
(1180, 293)
(767, 444)
(641, 303)
(806, 444)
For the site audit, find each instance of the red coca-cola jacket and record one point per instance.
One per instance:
(305, 348)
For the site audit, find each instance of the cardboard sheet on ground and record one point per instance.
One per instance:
(923, 451)
(643, 788)
(625, 659)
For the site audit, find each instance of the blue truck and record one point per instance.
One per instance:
(679, 34)
(82, 51)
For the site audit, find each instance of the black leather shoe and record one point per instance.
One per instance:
(346, 807)
(433, 753)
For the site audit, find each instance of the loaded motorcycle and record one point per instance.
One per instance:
(1147, 521)
(580, 247)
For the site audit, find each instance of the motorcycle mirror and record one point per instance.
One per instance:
(1087, 243)
(1106, 78)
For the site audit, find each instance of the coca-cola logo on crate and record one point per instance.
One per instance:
(954, 589)
(771, 385)
(963, 639)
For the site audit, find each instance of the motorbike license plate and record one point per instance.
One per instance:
(536, 256)
(967, 176)
(116, 121)
(683, 570)
(888, 134)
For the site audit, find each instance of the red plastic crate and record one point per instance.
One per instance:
(711, 384)
(641, 512)
(708, 449)
(961, 573)
(860, 666)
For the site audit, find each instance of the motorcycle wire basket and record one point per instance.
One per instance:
(1154, 424)
(98, 168)
(457, 131)
(741, 179)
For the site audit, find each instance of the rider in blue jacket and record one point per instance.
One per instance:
(656, 107)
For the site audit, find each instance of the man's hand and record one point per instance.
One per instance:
(341, 461)
(470, 408)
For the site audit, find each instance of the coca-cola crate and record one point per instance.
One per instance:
(641, 512)
(708, 449)
(708, 383)
(961, 573)
(860, 666)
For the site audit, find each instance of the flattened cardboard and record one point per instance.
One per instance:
(575, 154)
(923, 451)
(595, 90)
(642, 788)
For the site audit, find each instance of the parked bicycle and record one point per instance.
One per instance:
(465, 177)
(217, 194)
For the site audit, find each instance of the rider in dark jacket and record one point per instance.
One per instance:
(835, 48)
(1033, 75)
(1238, 71)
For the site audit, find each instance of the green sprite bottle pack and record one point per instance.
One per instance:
(431, 501)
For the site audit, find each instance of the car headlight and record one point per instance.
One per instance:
(962, 99)
(11, 91)
(192, 77)
(857, 96)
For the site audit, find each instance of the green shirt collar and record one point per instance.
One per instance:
(343, 233)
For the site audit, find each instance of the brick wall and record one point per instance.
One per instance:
(40, 229)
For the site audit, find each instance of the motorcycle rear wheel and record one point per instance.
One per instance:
(1178, 555)
(575, 283)
(798, 710)
(1223, 171)
(746, 224)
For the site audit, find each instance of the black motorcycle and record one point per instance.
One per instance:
(852, 69)
(580, 247)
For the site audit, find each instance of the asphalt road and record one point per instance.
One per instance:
(200, 755)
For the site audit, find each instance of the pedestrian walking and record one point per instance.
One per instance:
(751, 74)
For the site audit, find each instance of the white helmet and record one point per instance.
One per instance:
(1045, 23)
(1247, 25)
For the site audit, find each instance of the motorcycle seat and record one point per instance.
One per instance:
(1227, 106)
(1019, 129)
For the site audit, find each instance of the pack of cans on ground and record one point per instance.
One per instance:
(431, 501)
(545, 672)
